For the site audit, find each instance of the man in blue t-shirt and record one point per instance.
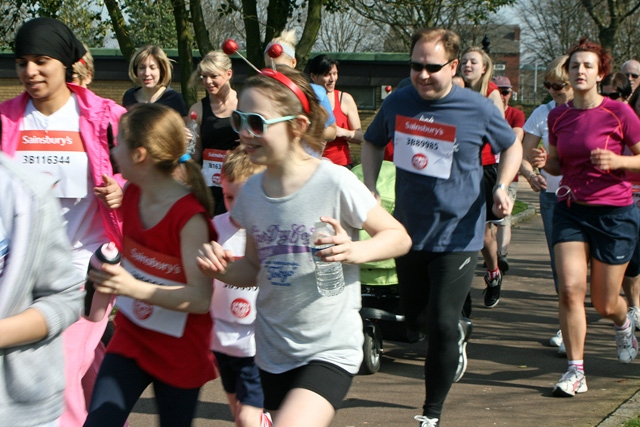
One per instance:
(438, 131)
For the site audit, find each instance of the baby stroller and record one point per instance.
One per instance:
(381, 313)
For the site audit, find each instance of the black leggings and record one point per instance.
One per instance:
(433, 288)
(118, 387)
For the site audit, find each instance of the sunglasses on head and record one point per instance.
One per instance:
(612, 95)
(554, 86)
(431, 68)
(632, 75)
(505, 92)
(254, 123)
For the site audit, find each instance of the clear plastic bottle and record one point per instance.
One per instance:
(192, 125)
(329, 275)
(96, 303)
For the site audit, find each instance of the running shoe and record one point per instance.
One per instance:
(627, 343)
(503, 263)
(562, 350)
(464, 331)
(572, 382)
(634, 312)
(556, 340)
(266, 421)
(492, 291)
(426, 422)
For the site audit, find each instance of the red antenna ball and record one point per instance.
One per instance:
(275, 50)
(387, 89)
(229, 46)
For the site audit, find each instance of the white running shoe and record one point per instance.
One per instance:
(562, 351)
(556, 340)
(265, 420)
(464, 331)
(634, 312)
(572, 382)
(627, 343)
(426, 422)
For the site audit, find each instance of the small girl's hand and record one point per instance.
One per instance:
(110, 193)
(342, 249)
(114, 280)
(604, 160)
(213, 259)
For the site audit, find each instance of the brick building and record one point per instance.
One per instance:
(505, 53)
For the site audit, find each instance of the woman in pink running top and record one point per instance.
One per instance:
(595, 222)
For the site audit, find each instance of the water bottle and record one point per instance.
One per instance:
(192, 125)
(329, 275)
(96, 303)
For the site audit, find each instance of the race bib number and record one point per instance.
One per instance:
(60, 154)
(212, 166)
(161, 269)
(424, 148)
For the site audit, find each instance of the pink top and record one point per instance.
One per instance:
(96, 116)
(575, 133)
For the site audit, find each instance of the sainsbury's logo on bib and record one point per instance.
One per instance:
(154, 263)
(47, 140)
(158, 265)
(39, 140)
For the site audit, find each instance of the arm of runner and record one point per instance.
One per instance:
(371, 158)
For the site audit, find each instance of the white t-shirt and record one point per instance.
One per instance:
(61, 145)
(537, 125)
(233, 309)
(295, 324)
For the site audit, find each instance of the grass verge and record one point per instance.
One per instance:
(519, 207)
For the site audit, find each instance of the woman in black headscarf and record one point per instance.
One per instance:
(64, 130)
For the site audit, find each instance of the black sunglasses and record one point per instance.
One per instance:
(505, 92)
(612, 95)
(632, 75)
(431, 68)
(554, 86)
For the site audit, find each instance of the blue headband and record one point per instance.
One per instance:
(184, 158)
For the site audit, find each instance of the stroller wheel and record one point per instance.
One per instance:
(371, 350)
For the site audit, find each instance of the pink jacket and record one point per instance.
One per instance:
(96, 114)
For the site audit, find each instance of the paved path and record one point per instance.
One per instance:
(511, 368)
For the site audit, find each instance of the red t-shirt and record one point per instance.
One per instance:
(184, 362)
(338, 150)
(515, 118)
(488, 158)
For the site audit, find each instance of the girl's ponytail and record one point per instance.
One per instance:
(192, 177)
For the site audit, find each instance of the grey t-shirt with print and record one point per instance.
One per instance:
(295, 324)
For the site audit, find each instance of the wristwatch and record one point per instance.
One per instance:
(495, 187)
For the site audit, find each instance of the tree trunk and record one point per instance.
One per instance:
(120, 28)
(252, 30)
(278, 13)
(199, 28)
(185, 57)
(310, 33)
(608, 36)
